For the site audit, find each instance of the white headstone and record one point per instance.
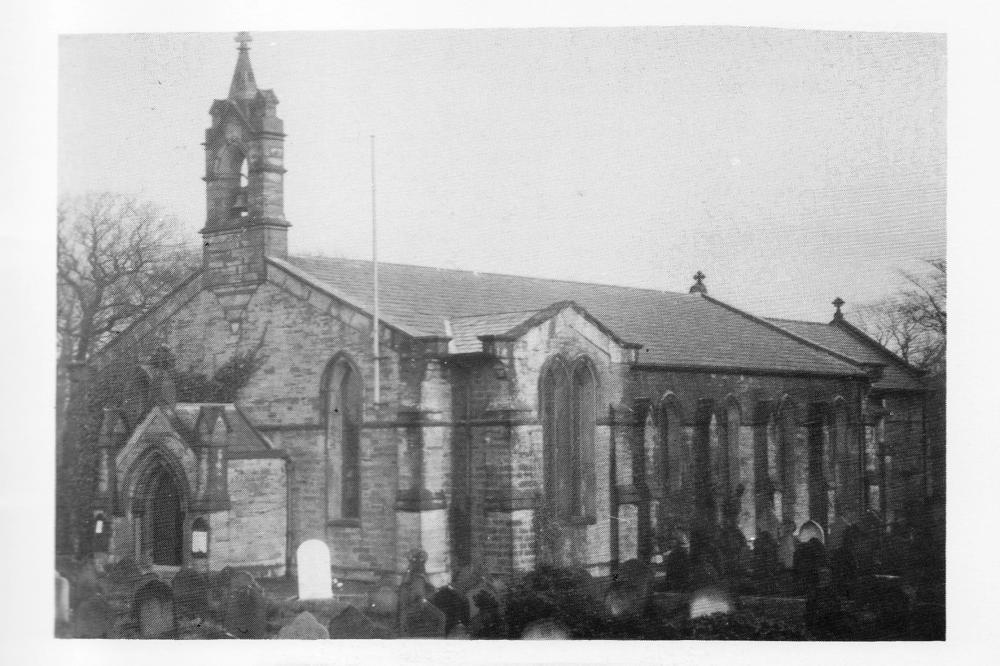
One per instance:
(709, 601)
(313, 559)
(62, 599)
(811, 530)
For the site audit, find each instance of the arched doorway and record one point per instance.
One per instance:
(165, 522)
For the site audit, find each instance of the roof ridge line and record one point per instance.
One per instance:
(302, 274)
(509, 275)
(789, 334)
(487, 314)
(853, 330)
(795, 321)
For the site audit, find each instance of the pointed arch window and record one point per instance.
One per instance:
(342, 392)
(568, 404)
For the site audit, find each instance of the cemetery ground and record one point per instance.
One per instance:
(691, 593)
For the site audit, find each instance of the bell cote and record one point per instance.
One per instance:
(244, 180)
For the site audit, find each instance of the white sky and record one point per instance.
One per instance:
(790, 166)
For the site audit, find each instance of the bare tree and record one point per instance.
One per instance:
(116, 257)
(913, 322)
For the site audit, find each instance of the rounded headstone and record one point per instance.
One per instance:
(544, 630)
(811, 530)
(313, 568)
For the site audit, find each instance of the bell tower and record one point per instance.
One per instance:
(244, 181)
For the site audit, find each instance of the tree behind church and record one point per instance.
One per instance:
(116, 257)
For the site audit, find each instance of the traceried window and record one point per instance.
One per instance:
(342, 400)
(568, 402)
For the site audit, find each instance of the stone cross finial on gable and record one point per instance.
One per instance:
(699, 284)
(244, 40)
(838, 303)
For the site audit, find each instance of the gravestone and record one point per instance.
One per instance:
(422, 620)
(245, 612)
(351, 624)
(454, 606)
(85, 584)
(93, 619)
(811, 530)
(631, 589)
(786, 545)
(125, 572)
(545, 629)
(710, 601)
(810, 557)
(678, 569)
(303, 627)
(383, 599)
(458, 633)
(62, 599)
(765, 555)
(415, 585)
(240, 578)
(190, 593)
(482, 596)
(154, 610)
(734, 551)
(313, 562)
(487, 618)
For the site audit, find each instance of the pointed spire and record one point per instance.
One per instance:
(244, 86)
(699, 284)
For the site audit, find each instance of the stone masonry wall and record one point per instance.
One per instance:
(252, 534)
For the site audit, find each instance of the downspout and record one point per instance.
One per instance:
(288, 517)
(613, 489)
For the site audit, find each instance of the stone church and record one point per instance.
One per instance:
(516, 421)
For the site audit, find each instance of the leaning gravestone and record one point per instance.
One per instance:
(454, 606)
(245, 612)
(303, 627)
(62, 599)
(351, 623)
(154, 610)
(313, 561)
(422, 620)
(93, 619)
(190, 593)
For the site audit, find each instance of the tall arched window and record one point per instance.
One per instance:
(343, 409)
(584, 396)
(674, 465)
(568, 404)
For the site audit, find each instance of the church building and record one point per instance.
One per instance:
(489, 420)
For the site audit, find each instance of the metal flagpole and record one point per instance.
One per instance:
(375, 335)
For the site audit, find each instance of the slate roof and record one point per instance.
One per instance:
(677, 330)
(896, 375)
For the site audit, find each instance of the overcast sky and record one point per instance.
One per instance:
(790, 166)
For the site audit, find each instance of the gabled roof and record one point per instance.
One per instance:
(676, 330)
(467, 331)
(843, 338)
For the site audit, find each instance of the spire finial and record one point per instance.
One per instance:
(243, 87)
(838, 303)
(699, 284)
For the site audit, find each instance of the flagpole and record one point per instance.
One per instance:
(375, 335)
